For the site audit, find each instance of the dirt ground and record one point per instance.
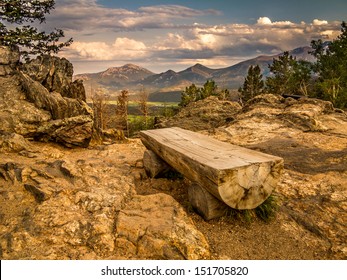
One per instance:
(236, 238)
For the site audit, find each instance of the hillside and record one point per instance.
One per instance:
(98, 203)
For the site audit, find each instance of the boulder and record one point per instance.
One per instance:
(41, 102)
(156, 227)
(55, 74)
(208, 113)
(303, 114)
(12, 142)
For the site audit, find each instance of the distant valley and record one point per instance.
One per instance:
(167, 86)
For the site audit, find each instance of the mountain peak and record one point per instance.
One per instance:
(197, 71)
(131, 75)
(171, 72)
(126, 72)
(132, 66)
(199, 65)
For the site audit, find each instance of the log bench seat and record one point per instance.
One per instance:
(222, 174)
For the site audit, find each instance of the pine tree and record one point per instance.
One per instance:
(289, 76)
(190, 94)
(281, 69)
(253, 84)
(31, 41)
(331, 67)
(301, 79)
(209, 89)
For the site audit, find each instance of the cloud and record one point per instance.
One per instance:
(122, 48)
(129, 48)
(176, 11)
(174, 34)
(265, 37)
(267, 21)
(319, 22)
(264, 21)
(76, 15)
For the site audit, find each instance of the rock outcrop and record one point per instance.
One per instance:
(12, 142)
(204, 114)
(55, 74)
(40, 101)
(311, 136)
(82, 204)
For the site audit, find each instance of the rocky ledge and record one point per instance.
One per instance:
(38, 100)
(58, 203)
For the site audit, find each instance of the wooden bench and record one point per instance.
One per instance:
(221, 172)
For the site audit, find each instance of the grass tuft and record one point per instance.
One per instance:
(265, 212)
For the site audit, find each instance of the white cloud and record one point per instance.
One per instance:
(129, 48)
(122, 48)
(269, 22)
(264, 21)
(319, 22)
(89, 51)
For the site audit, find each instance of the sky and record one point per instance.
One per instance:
(176, 34)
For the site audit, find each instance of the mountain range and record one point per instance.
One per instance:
(134, 77)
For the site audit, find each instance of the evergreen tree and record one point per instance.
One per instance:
(253, 84)
(281, 69)
(190, 94)
(142, 101)
(331, 67)
(209, 89)
(31, 41)
(194, 93)
(289, 76)
(301, 78)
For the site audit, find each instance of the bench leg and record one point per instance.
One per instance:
(204, 203)
(153, 164)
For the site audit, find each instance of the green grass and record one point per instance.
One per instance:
(138, 123)
(265, 211)
(150, 103)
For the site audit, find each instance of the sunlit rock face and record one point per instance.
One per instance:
(40, 101)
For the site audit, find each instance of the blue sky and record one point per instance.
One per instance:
(176, 34)
(246, 10)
